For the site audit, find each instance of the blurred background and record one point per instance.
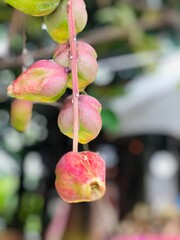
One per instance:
(138, 85)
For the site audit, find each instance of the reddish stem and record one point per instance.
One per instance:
(73, 63)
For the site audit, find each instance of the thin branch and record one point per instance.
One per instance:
(11, 62)
(94, 37)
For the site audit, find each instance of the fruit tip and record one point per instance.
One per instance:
(10, 91)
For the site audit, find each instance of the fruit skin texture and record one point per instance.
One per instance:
(87, 63)
(90, 121)
(21, 112)
(80, 177)
(34, 7)
(57, 22)
(43, 81)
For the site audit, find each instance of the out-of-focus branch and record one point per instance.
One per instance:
(94, 37)
(15, 25)
(11, 62)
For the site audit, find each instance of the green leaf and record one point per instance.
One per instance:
(110, 120)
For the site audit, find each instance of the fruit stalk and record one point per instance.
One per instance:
(73, 63)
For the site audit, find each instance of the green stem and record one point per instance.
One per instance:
(73, 62)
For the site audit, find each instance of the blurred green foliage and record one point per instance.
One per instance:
(8, 191)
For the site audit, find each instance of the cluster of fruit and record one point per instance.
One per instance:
(80, 176)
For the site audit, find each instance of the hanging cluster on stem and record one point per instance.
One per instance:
(80, 176)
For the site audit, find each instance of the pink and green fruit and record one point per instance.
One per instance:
(57, 22)
(90, 121)
(21, 112)
(80, 177)
(43, 81)
(87, 63)
(34, 7)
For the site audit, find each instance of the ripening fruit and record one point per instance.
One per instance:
(43, 81)
(21, 112)
(80, 177)
(34, 7)
(90, 121)
(57, 22)
(87, 63)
